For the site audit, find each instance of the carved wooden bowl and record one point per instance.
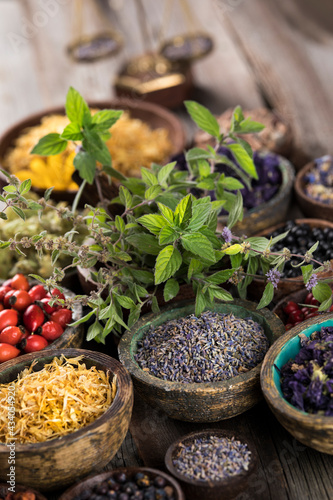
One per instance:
(224, 489)
(198, 402)
(315, 431)
(59, 462)
(90, 482)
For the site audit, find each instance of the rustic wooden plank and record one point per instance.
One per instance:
(19, 88)
(285, 73)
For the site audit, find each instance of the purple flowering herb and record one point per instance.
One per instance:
(274, 277)
(227, 234)
(307, 381)
(312, 281)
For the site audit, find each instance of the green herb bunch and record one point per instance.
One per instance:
(163, 235)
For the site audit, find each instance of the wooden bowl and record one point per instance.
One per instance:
(309, 206)
(269, 213)
(286, 285)
(312, 430)
(154, 115)
(72, 336)
(59, 462)
(90, 482)
(224, 489)
(198, 402)
(19, 488)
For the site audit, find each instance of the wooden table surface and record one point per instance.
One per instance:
(266, 53)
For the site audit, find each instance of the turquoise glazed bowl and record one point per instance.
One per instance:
(315, 431)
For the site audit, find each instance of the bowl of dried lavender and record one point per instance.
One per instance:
(212, 464)
(297, 382)
(200, 369)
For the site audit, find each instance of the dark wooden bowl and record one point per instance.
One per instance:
(270, 213)
(310, 207)
(286, 285)
(19, 488)
(156, 116)
(198, 402)
(90, 482)
(59, 462)
(224, 489)
(312, 430)
(72, 336)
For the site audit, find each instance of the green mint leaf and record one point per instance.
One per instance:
(197, 154)
(245, 145)
(72, 132)
(94, 145)
(47, 194)
(164, 173)
(153, 222)
(267, 296)
(154, 305)
(134, 316)
(249, 126)
(307, 273)
(236, 212)
(148, 177)
(231, 183)
(94, 330)
(171, 288)
(243, 159)
(105, 118)
(85, 164)
(112, 172)
(124, 301)
(120, 224)
(277, 238)
(203, 118)
(19, 212)
(50, 144)
(167, 235)
(200, 302)
(237, 117)
(184, 209)
(258, 243)
(125, 197)
(204, 168)
(200, 214)
(207, 184)
(25, 186)
(199, 245)
(195, 267)
(84, 318)
(152, 192)
(322, 292)
(146, 243)
(220, 277)
(76, 107)
(233, 249)
(145, 277)
(325, 305)
(211, 236)
(314, 247)
(219, 293)
(54, 257)
(167, 264)
(166, 212)
(33, 205)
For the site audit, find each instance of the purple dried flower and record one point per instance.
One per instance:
(312, 281)
(274, 277)
(226, 234)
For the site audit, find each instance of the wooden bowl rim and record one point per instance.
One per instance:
(229, 482)
(271, 229)
(285, 189)
(128, 340)
(269, 388)
(94, 479)
(120, 400)
(299, 181)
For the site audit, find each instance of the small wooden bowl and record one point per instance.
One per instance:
(269, 213)
(312, 430)
(19, 489)
(90, 482)
(286, 285)
(72, 336)
(224, 489)
(58, 462)
(154, 115)
(309, 206)
(198, 402)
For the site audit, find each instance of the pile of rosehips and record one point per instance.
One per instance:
(296, 313)
(28, 321)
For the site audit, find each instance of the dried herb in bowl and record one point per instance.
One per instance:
(307, 380)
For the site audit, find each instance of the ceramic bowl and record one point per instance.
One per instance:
(211, 490)
(308, 205)
(59, 462)
(270, 213)
(315, 431)
(90, 482)
(198, 402)
(154, 115)
(286, 285)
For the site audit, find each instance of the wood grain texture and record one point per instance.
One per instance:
(203, 402)
(58, 462)
(312, 430)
